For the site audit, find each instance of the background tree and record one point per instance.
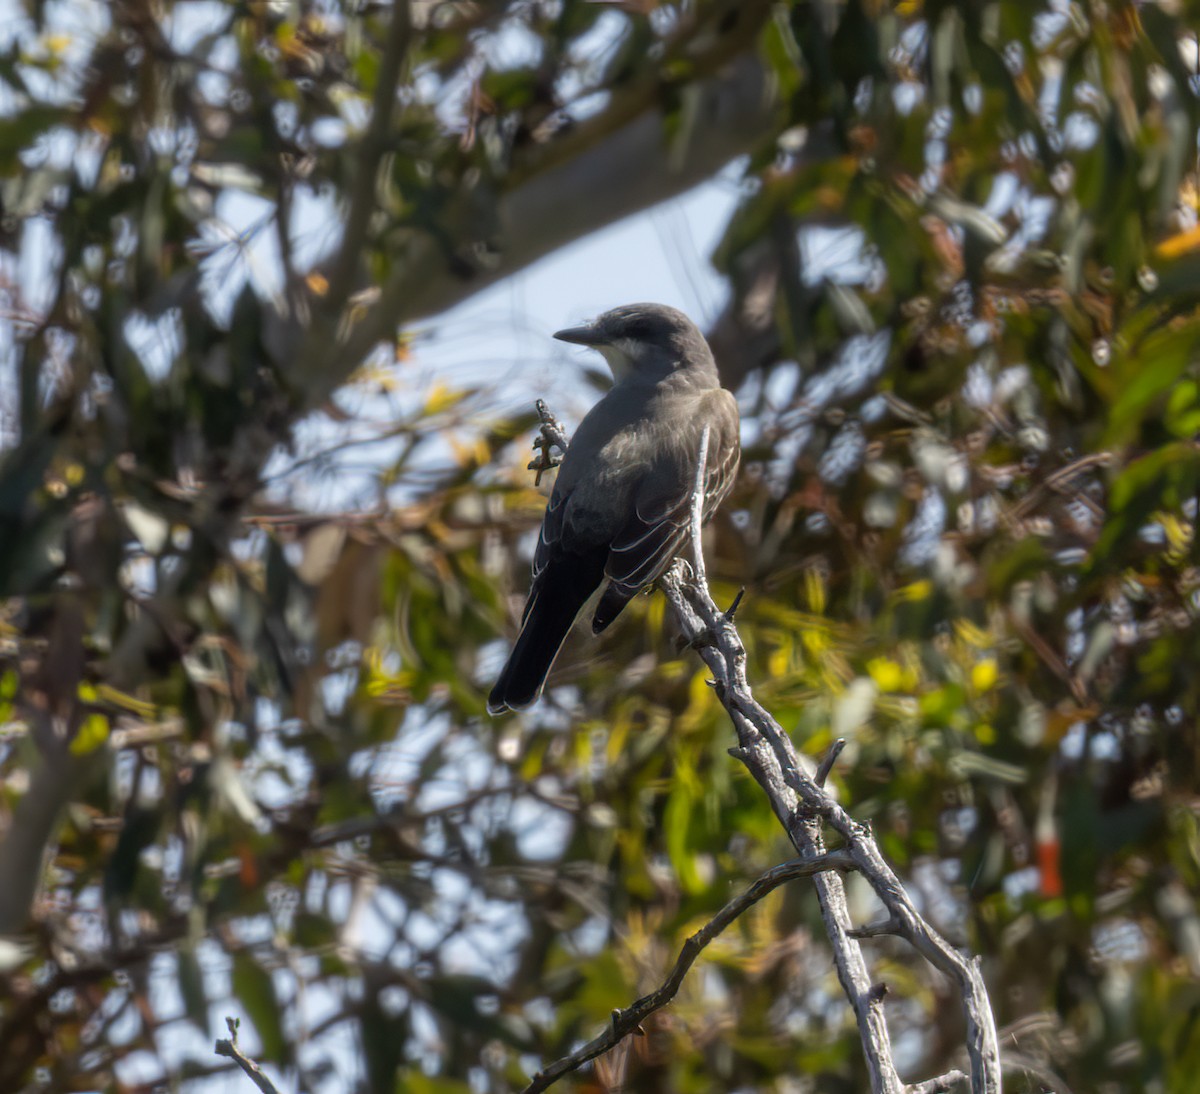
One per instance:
(246, 765)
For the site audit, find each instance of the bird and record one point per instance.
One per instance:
(620, 510)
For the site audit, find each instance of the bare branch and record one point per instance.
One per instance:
(625, 1022)
(939, 1084)
(792, 785)
(698, 492)
(767, 751)
(804, 807)
(875, 930)
(230, 1050)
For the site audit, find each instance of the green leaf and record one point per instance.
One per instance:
(191, 987)
(255, 990)
(1159, 363)
(678, 818)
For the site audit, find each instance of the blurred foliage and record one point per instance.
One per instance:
(966, 521)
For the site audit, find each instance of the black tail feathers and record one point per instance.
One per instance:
(612, 603)
(557, 595)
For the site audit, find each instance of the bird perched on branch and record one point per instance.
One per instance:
(621, 506)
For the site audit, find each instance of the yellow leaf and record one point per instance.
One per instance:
(617, 736)
(815, 640)
(92, 734)
(317, 283)
(1178, 532)
(971, 634)
(375, 375)
(700, 700)
(442, 398)
(984, 674)
(918, 590)
(1179, 244)
(473, 453)
(126, 701)
(887, 675)
(814, 591)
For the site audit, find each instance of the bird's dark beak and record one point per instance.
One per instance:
(581, 336)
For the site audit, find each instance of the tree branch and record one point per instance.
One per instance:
(616, 163)
(793, 787)
(803, 807)
(697, 518)
(569, 187)
(938, 1085)
(625, 1022)
(230, 1050)
(767, 751)
(370, 153)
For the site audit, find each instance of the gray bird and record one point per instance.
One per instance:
(621, 506)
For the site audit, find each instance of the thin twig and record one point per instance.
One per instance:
(230, 1050)
(625, 1022)
(939, 1084)
(828, 760)
(147, 733)
(875, 930)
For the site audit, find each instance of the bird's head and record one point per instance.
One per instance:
(648, 340)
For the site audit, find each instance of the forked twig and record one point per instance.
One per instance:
(627, 1021)
(229, 1049)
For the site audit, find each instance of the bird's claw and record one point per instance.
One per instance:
(551, 435)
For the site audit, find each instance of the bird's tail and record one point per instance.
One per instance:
(558, 594)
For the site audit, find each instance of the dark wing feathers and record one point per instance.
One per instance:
(551, 533)
(566, 568)
(661, 523)
(634, 562)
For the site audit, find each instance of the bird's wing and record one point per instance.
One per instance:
(548, 539)
(661, 521)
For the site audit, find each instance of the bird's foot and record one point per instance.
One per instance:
(551, 435)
